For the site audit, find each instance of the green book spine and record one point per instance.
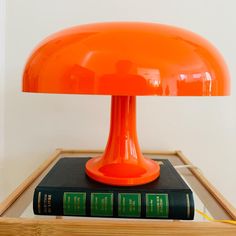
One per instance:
(83, 202)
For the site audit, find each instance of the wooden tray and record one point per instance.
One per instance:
(14, 222)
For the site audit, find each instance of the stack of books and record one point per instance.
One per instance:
(67, 191)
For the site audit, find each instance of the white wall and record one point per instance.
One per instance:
(2, 74)
(203, 128)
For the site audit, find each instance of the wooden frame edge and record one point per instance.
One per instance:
(210, 188)
(148, 152)
(12, 226)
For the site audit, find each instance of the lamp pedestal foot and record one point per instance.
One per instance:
(122, 174)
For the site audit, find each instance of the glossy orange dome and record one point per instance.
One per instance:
(125, 58)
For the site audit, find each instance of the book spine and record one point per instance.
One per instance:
(171, 205)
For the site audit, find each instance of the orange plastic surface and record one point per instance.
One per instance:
(126, 58)
(122, 162)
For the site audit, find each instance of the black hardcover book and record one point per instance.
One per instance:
(67, 190)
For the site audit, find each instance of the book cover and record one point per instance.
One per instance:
(67, 190)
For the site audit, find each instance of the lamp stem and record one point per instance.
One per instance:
(122, 145)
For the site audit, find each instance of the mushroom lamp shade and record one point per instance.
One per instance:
(124, 60)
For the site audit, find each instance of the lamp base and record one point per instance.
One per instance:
(122, 174)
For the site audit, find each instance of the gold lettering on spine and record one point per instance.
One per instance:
(39, 202)
(188, 205)
(45, 203)
(49, 203)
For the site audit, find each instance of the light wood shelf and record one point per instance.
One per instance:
(11, 222)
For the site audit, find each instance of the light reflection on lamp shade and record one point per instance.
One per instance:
(126, 59)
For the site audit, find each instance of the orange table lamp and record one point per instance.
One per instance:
(125, 59)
